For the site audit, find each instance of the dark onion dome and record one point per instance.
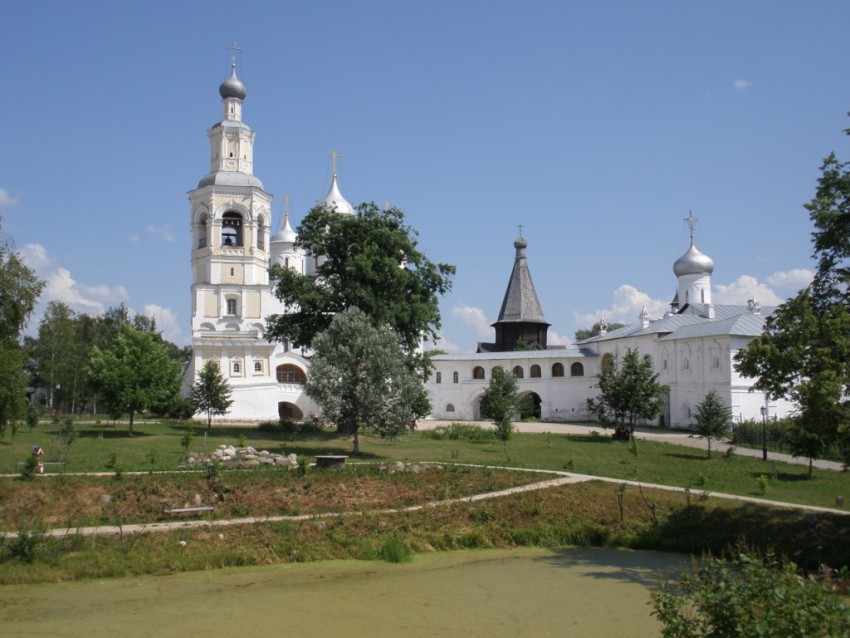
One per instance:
(693, 262)
(232, 87)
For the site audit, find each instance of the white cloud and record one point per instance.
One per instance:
(791, 281)
(446, 346)
(473, 317)
(163, 231)
(744, 288)
(627, 304)
(36, 257)
(59, 285)
(555, 339)
(134, 238)
(742, 84)
(6, 199)
(166, 322)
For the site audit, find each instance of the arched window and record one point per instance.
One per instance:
(231, 306)
(518, 373)
(438, 378)
(577, 369)
(450, 407)
(258, 366)
(231, 229)
(237, 367)
(288, 373)
(477, 372)
(261, 234)
(202, 231)
(607, 362)
(455, 377)
(557, 369)
(493, 371)
(686, 365)
(534, 372)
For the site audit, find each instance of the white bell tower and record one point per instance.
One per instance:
(230, 219)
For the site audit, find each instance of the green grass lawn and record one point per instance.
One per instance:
(157, 446)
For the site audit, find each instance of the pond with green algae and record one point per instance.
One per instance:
(521, 592)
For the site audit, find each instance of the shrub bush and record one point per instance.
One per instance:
(394, 550)
(461, 432)
(752, 595)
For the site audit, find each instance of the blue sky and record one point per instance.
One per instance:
(596, 125)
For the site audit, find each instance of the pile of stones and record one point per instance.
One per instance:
(232, 456)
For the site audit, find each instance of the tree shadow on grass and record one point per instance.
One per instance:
(785, 476)
(691, 456)
(112, 434)
(589, 438)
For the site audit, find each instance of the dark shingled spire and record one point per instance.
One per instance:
(521, 317)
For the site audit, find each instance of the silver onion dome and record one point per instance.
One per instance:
(693, 262)
(232, 87)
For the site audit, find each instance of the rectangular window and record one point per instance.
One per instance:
(258, 366)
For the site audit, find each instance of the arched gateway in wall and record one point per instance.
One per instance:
(287, 410)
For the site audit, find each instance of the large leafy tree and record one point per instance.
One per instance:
(135, 373)
(804, 352)
(59, 353)
(211, 393)
(53, 351)
(712, 418)
(360, 379)
(368, 261)
(19, 292)
(629, 393)
(501, 402)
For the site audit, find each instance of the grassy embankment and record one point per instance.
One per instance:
(586, 514)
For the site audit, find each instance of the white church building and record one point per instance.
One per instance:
(692, 346)
(232, 248)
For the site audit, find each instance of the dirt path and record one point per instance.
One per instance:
(561, 478)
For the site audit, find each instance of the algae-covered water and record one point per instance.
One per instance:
(527, 592)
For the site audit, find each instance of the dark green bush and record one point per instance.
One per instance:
(752, 595)
(461, 432)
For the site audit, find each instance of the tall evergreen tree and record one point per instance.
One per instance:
(712, 418)
(629, 392)
(501, 402)
(211, 392)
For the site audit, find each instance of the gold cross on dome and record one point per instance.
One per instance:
(334, 155)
